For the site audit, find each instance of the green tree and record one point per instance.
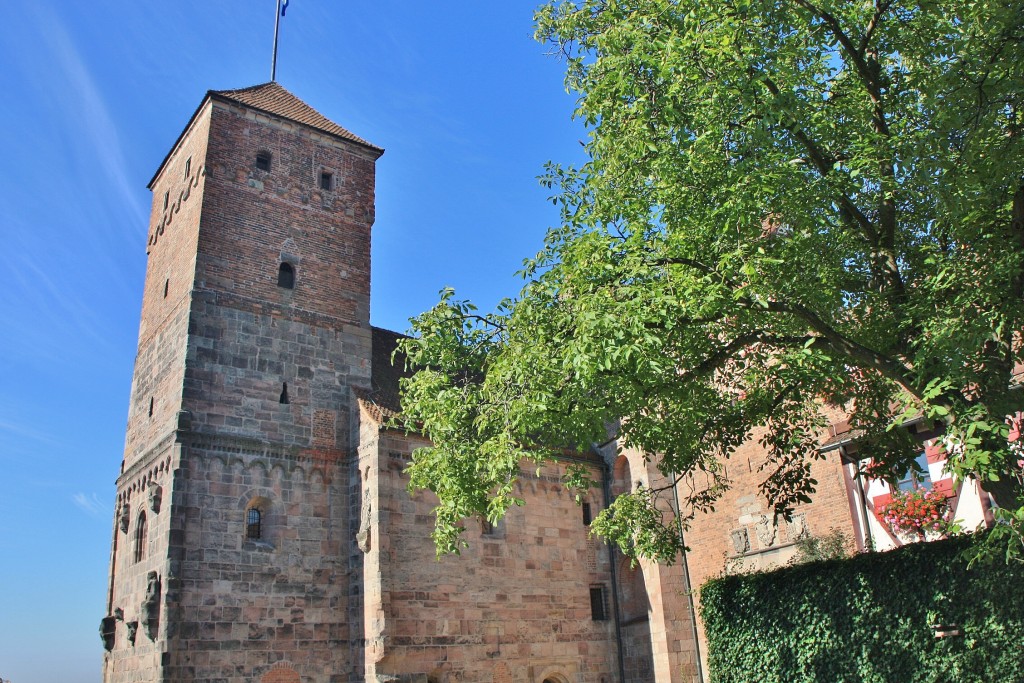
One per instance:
(786, 203)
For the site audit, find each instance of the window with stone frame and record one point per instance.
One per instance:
(263, 161)
(254, 523)
(326, 180)
(140, 537)
(286, 275)
(598, 603)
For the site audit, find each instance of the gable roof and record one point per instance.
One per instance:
(272, 98)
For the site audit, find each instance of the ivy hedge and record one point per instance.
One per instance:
(869, 619)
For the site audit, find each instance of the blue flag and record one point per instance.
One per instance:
(284, 6)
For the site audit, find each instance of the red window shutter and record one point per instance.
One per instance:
(935, 452)
(945, 487)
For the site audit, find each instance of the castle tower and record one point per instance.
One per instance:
(229, 559)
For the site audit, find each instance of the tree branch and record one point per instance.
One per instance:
(851, 212)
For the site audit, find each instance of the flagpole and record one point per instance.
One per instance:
(277, 24)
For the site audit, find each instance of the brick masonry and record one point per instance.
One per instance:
(742, 533)
(248, 395)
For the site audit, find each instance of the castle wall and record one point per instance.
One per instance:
(742, 533)
(250, 382)
(170, 272)
(136, 600)
(514, 606)
(246, 607)
(267, 394)
(657, 615)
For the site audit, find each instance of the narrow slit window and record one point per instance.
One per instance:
(326, 180)
(188, 168)
(140, 537)
(286, 276)
(598, 604)
(167, 284)
(254, 523)
(167, 199)
(587, 518)
(151, 406)
(284, 394)
(263, 161)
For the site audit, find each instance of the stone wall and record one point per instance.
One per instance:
(136, 599)
(514, 606)
(251, 406)
(170, 273)
(243, 607)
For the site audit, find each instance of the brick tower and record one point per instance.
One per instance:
(229, 559)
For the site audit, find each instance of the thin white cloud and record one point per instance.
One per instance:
(82, 101)
(25, 432)
(90, 504)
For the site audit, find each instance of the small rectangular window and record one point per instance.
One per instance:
(586, 514)
(326, 180)
(598, 604)
(188, 168)
(253, 524)
(263, 161)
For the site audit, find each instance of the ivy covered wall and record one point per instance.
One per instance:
(869, 619)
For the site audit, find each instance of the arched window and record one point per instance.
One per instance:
(263, 161)
(253, 523)
(286, 276)
(140, 537)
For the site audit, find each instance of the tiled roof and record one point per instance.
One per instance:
(382, 400)
(274, 99)
(838, 440)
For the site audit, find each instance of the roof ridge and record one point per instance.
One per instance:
(273, 98)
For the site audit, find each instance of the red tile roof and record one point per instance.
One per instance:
(272, 98)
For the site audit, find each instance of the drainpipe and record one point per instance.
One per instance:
(686, 581)
(606, 487)
(869, 538)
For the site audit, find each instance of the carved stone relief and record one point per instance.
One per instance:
(363, 536)
(797, 528)
(150, 608)
(125, 518)
(133, 627)
(740, 540)
(766, 530)
(156, 496)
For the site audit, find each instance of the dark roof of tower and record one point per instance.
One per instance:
(271, 98)
(382, 399)
(274, 99)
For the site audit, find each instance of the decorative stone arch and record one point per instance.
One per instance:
(555, 670)
(634, 603)
(282, 672)
(622, 476)
(554, 677)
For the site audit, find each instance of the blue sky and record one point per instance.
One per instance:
(467, 105)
